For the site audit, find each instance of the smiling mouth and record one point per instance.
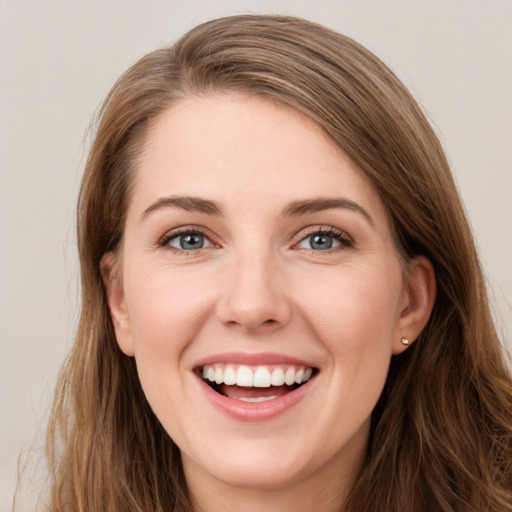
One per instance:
(255, 384)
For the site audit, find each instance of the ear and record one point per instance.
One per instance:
(110, 271)
(417, 303)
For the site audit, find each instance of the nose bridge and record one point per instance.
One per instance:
(254, 297)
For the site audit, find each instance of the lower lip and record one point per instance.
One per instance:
(255, 411)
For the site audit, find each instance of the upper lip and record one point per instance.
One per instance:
(253, 359)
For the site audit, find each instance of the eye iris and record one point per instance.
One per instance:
(191, 241)
(320, 242)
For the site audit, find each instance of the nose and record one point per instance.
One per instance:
(254, 296)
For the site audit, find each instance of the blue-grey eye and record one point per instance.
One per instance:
(189, 241)
(320, 242)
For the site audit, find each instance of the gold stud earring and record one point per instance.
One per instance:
(404, 341)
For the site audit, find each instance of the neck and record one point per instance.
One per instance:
(279, 500)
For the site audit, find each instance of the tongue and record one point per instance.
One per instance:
(239, 392)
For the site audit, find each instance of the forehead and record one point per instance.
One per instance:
(244, 149)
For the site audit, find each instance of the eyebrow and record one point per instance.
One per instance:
(188, 203)
(307, 206)
(294, 209)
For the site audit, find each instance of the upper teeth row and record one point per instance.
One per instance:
(259, 377)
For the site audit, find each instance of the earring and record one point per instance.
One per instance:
(404, 341)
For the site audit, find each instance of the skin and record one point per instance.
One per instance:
(256, 286)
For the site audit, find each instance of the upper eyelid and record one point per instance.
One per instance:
(175, 232)
(344, 239)
(324, 229)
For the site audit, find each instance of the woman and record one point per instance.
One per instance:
(282, 306)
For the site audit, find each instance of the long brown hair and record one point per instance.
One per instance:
(441, 432)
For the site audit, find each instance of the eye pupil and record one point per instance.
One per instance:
(320, 242)
(191, 241)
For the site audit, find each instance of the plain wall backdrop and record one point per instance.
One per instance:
(57, 62)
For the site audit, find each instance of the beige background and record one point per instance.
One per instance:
(57, 61)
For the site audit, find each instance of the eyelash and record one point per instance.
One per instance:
(340, 236)
(164, 241)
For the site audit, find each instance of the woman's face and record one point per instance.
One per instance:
(256, 256)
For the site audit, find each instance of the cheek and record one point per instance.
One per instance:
(351, 315)
(165, 309)
(354, 310)
(354, 316)
(165, 314)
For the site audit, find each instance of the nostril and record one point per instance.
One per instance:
(251, 314)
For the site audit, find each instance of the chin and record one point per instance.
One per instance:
(257, 467)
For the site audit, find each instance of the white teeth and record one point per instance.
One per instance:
(289, 377)
(277, 377)
(258, 399)
(229, 375)
(244, 377)
(259, 377)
